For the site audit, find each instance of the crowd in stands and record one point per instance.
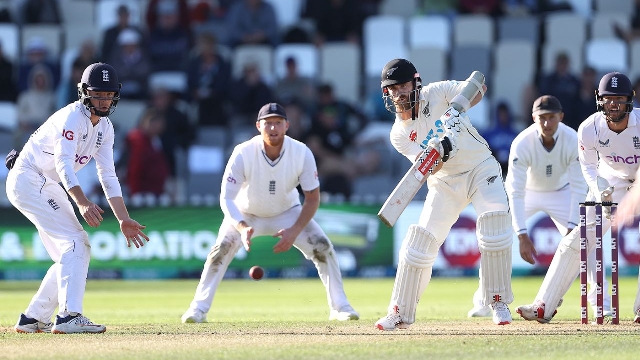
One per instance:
(197, 37)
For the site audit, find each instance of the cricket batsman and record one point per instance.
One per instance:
(469, 174)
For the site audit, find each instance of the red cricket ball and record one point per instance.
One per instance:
(256, 272)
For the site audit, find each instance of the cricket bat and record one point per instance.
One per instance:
(417, 175)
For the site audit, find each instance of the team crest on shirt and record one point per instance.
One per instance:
(636, 143)
(413, 135)
(53, 204)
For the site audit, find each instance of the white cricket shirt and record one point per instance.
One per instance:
(66, 142)
(410, 137)
(266, 188)
(534, 167)
(608, 154)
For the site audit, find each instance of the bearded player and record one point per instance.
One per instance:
(609, 150)
(544, 175)
(469, 174)
(259, 197)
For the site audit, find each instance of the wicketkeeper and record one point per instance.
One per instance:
(544, 175)
(609, 153)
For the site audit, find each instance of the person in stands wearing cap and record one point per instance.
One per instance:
(131, 61)
(608, 149)
(54, 153)
(544, 175)
(259, 197)
(466, 174)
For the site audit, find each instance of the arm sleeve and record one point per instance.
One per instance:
(106, 168)
(588, 155)
(64, 150)
(309, 176)
(232, 181)
(515, 184)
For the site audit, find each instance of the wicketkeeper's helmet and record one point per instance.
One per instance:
(614, 84)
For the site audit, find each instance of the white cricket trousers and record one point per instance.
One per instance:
(312, 242)
(45, 203)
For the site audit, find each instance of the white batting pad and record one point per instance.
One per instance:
(563, 270)
(494, 231)
(495, 237)
(418, 253)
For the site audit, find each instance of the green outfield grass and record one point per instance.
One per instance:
(287, 319)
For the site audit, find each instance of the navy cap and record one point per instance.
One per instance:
(546, 104)
(271, 110)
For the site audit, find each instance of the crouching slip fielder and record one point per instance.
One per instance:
(544, 175)
(609, 150)
(58, 149)
(259, 197)
(470, 174)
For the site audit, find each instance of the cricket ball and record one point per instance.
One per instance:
(256, 272)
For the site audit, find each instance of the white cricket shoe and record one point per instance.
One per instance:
(194, 316)
(29, 325)
(344, 314)
(480, 311)
(501, 313)
(636, 319)
(535, 312)
(73, 324)
(392, 321)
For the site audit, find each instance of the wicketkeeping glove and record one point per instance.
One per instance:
(606, 195)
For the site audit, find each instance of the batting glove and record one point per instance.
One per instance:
(445, 147)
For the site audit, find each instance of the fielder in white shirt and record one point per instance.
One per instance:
(468, 174)
(58, 149)
(609, 154)
(259, 197)
(544, 175)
